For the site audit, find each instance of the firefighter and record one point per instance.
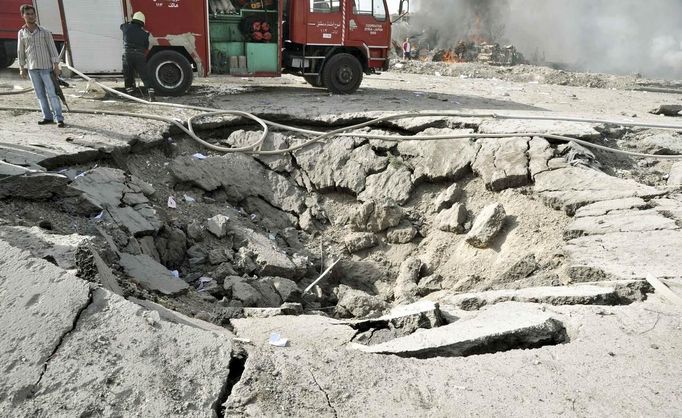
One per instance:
(135, 43)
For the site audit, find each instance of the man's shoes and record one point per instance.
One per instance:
(61, 124)
(45, 122)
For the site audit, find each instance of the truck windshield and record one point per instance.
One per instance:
(325, 6)
(370, 7)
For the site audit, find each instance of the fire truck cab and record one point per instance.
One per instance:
(332, 43)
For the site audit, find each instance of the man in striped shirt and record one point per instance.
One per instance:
(37, 52)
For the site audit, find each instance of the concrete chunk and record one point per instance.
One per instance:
(399, 322)
(152, 275)
(439, 160)
(502, 327)
(502, 163)
(453, 219)
(217, 225)
(392, 185)
(359, 241)
(486, 225)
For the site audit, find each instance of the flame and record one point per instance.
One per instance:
(450, 57)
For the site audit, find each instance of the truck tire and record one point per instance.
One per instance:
(314, 80)
(342, 74)
(6, 60)
(170, 73)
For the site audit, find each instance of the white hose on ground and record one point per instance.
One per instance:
(255, 147)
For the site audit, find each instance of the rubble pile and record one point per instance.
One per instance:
(484, 53)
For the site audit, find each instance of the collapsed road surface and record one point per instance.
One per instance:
(145, 275)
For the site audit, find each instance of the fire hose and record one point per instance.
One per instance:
(317, 136)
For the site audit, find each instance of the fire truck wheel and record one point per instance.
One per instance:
(170, 72)
(342, 74)
(313, 80)
(5, 60)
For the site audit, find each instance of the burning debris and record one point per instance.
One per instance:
(486, 53)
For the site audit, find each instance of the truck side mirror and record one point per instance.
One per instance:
(404, 7)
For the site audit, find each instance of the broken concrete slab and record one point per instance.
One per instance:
(359, 241)
(659, 142)
(42, 244)
(274, 141)
(20, 158)
(502, 163)
(516, 126)
(499, 328)
(439, 160)
(285, 309)
(487, 225)
(569, 188)
(667, 110)
(539, 153)
(608, 206)
(103, 186)
(138, 221)
(399, 322)
(123, 360)
(625, 255)
(339, 165)
(619, 221)
(554, 295)
(106, 187)
(151, 275)
(670, 207)
(34, 186)
(453, 219)
(178, 318)
(240, 176)
(40, 303)
(86, 138)
(391, 185)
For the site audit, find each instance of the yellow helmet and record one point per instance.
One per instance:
(139, 16)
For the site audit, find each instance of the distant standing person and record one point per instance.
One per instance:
(37, 52)
(135, 43)
(407, 49)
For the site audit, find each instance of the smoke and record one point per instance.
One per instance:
(616, 36)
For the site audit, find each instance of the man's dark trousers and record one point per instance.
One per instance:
(134, 62)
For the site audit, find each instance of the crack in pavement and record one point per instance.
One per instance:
(61, 340)
(326, 395)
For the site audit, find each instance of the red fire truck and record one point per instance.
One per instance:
(11, 22)
(331, 43)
